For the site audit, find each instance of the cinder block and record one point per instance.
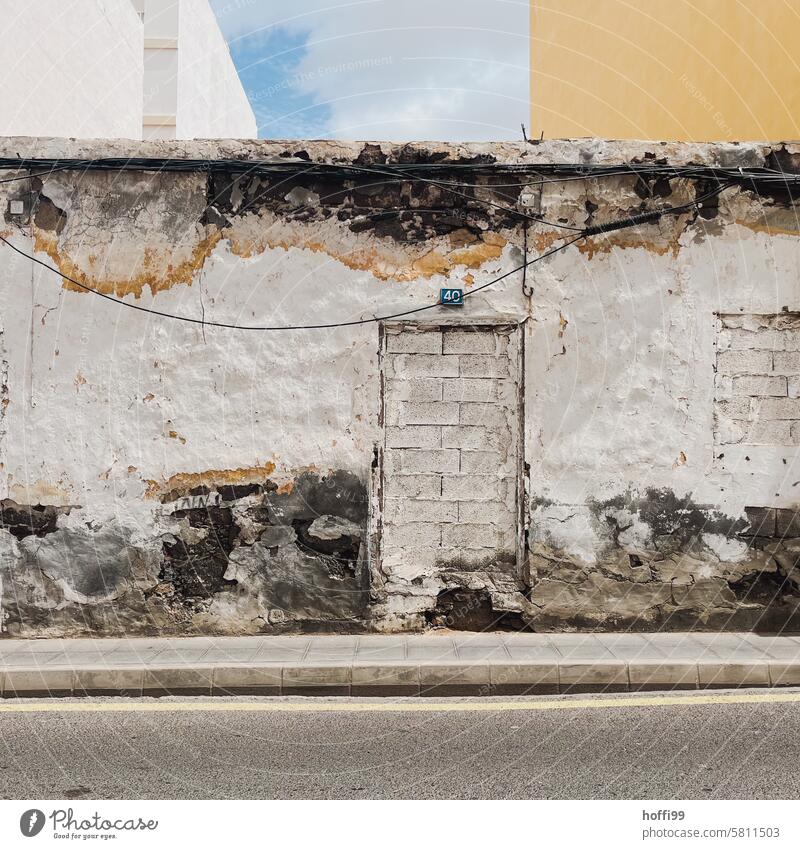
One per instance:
(762, 432)
(391, 412)
(739, 339)
(424, 365)
(501, 463)
(760, 386)
(105, 681)
(482, 365)
(722, 675)
(730, 432)
(480, 389)
(735, 408)
(414, 436)
(415, 389)
(486, 415)
(789, 340)
(424, 413)
(406, 564)
(417, 510)
(262, 679)
(777, 408)
(473, 438)
(487, 513)
(414, 342)
(723, 387)
(786, 362)
(413, 460)
(474, 536)
(768, 432)
(472, 341)
(419, 534)
(475, 487)
(413, 486)
(744, 362)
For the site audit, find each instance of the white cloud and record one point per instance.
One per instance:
(402, 69)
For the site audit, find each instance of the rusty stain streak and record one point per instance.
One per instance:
(159, 274)
(182, 482)
(38, 492)
(157, 271)
(384, 263)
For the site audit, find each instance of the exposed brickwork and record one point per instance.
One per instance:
(451, 449)
(758, 380)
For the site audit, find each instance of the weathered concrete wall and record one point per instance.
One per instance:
(175, 478)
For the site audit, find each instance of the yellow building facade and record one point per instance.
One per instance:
(693, 70)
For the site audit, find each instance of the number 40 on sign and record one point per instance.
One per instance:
(452, 297)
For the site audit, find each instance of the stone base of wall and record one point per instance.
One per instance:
(259, 558)
(242, 559)
(662, 563)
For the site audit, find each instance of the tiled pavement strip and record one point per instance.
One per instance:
(438, 664)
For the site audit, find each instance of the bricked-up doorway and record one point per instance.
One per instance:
(452, 487)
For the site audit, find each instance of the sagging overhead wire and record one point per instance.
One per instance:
(631, 221)
(325, 326)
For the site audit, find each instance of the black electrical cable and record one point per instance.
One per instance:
(631, 221)
(32, 176)
(650, 216)
(281, 165)
(169, 165)
(402, 175)
(328, 326)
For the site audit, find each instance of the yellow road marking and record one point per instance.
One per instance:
(389, 706)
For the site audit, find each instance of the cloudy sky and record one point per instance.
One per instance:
(382, 69)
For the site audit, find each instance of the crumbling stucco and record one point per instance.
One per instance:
(160, 477)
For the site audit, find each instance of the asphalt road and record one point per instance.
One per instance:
(654, 751)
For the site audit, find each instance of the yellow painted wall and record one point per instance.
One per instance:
(695, 70)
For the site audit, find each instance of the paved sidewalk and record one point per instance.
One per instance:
(436, 664)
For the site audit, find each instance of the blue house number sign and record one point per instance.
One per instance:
(452, 297)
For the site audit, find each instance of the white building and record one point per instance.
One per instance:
(119, 69)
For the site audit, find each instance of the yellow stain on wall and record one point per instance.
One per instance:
(688, 70)
(182, 482)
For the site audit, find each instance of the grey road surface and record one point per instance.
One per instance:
(655, 751)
